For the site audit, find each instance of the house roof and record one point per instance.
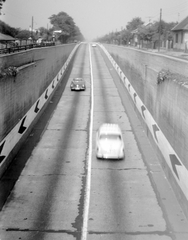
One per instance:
(134, 31)
(4, 37)
(146, 25)
(183, 25)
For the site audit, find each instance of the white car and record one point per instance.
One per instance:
(109, 142)
(94, 45)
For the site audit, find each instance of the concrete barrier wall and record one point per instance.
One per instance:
(23, 97)
(163, 108)
(37, 68)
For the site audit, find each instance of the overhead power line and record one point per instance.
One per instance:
(176, 7)
(170, 11)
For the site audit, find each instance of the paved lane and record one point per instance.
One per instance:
(127, 199)
(124, 203)
(47, 200)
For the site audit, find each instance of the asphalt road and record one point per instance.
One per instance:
(57, 189)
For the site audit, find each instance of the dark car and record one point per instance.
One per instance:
(78, 84)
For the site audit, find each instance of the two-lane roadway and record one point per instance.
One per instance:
(64, 192)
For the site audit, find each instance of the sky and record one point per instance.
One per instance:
(95, 18)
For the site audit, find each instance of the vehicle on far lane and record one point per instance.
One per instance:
(78, 84)
(109, 142)
(94, 45)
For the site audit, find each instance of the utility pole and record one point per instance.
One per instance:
(160, 30)
(47, 32)
(32, 28)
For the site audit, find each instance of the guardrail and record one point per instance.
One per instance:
(24, 47)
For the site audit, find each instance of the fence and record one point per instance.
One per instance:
(24, 47)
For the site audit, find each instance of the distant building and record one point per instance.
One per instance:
(181, 35)
(135, 35)
(5, 40)
(4, 37)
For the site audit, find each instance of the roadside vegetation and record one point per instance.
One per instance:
(63, 30)
(141, 33)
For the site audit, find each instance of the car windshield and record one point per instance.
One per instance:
(110, 136)
(78, 80)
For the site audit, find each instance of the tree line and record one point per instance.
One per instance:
(63, 30)
(144, 32)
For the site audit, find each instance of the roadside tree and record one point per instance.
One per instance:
(6, 29)
(23, 34)
(62, 21)
(134, 24)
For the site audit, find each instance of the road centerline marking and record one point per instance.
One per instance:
(89, 158)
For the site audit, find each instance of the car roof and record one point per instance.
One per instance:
(109, 128)
(77, 79)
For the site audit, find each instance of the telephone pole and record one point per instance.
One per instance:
(160, 30)
(32, 28)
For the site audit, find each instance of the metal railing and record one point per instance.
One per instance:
(8, 50)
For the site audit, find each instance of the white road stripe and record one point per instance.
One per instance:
(88, 177)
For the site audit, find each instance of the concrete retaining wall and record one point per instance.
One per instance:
(163, 108)
(23, 97)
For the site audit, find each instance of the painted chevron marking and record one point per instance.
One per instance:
(36, 107)
(1, 149)
(129, 85)
(175, 162)
(22, 128)
(53, 84)
(143, 109)
(155, 129)
(135, 95)
(46, 94)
